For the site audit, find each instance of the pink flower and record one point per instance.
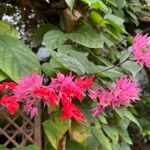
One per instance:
(93, 94)
(57, 82)
(27, 84)
(105, 98)
(30, 105)
(124, 91)
(97, 110)
(24, 92)
(141, 49)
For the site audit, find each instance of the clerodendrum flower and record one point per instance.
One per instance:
(70, 88)
(141, 49)
(62, 90)
(8, 101)
(122, 93)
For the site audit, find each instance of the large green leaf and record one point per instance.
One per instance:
(6, 28)
(39, 33)
(86, 36)
(16, 59)
(54, 38)
(99, 135)
(68, 62)
(55, 129)
(70, 3)
(80, 56)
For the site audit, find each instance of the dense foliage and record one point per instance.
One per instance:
(91, 43)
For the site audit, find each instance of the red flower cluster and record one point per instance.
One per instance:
(7, 101)
(62, 90)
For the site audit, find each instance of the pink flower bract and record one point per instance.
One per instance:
(27, 84)
(141, 49)
(124, 91)
(121, 93)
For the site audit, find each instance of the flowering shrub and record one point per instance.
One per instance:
(63, 90)
(86, 72)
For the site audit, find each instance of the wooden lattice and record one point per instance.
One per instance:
(19, 130)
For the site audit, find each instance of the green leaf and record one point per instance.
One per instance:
(68, 62)
(121, 3)
(102, 119)
(112, 133)
(91, 143)
(125, 146)
(2, 147)
(130, 116)
(89, 2)
(112, 73)
(71, 50)
(29, 147)
(116, 146)
(73, 145)
(16, 60)
(39, 33)
(107, 40)
(116, 22)
(52, 67)
(3, 76)
(132, 67)
(100, 5)
(55, 129)
(70, 3)
(53, 39)
(8, 29)
(99, 135)
(124, 135)
(79, 131)
(48, 146)
(87, 37)
(115, 19)
(97, 18)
